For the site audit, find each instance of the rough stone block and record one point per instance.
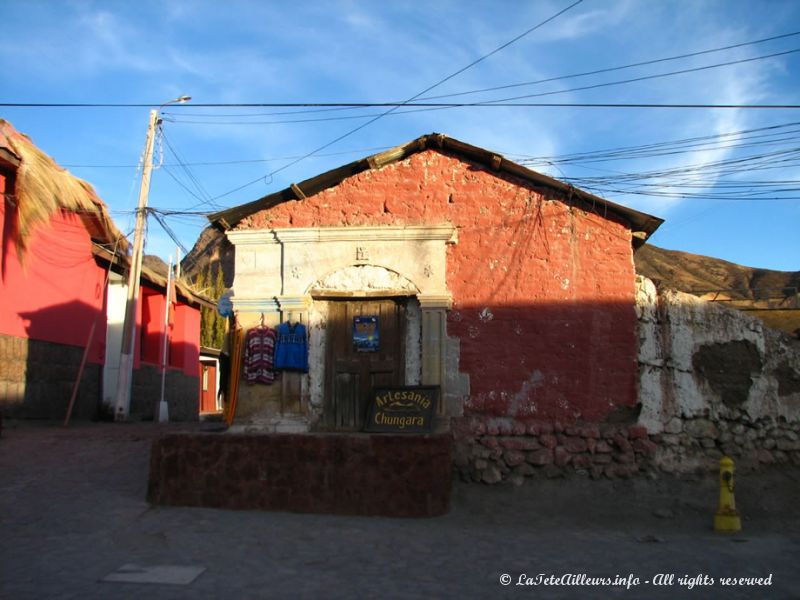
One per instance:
(637, 432)
(513, 457)
(548, 440)
(523, 470)
(519, 443)
(540, 457)
(561, 457)
(582, 461)
(603, 447)
(626, 458)
(622, 443)
(700, 428)
(491, 475)
(645, 446)
(575, 445)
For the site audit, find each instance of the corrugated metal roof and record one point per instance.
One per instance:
(642, 224)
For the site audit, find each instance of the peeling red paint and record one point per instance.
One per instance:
(558, 281)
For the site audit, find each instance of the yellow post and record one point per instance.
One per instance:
(726, 519)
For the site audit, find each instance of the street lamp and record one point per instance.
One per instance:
(123, 396)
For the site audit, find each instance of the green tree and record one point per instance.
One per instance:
(212, 324)
(219, 324)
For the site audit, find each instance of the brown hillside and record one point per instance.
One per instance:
(697, 274)
(759, 291)
(213, 249)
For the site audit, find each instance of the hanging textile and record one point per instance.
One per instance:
(236, 347)
(291, 352)
(259, 351)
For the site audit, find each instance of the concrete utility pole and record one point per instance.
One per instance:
(123, 401)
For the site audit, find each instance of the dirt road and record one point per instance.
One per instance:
(72, 511)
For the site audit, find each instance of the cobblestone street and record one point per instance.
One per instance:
(73, 510)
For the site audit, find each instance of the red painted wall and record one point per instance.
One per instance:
(56, 291)
(184, 332)
(187, 332)
(543, 291)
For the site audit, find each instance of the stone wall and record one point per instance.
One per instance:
(494, 450)
(182, 393)
(715, 381)
(36, 380)
(355, 474)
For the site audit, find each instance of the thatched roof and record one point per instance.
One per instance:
(41, 188)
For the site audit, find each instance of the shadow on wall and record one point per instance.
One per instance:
(38, 373)
(570, 360)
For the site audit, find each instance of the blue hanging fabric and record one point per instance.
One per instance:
(291, 350)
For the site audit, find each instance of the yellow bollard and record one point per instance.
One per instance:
(727, 518)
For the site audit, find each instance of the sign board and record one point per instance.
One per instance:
(402, 409)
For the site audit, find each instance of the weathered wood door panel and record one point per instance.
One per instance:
(352, 374)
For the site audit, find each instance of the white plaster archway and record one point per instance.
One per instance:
(278, 271)
(365, 280)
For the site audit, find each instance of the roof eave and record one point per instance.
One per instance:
(641, 224)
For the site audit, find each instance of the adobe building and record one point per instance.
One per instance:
(509, 291)
(63, 296)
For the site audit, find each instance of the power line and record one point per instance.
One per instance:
(526, 83)
(648, 77)
(420, 104)
(232, 162)
(394, 107)
(645, 150)
(168, 230)
(498, 102)
(618, 68)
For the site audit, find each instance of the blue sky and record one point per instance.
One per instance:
(331, 51)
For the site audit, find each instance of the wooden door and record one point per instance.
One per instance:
(351, 373)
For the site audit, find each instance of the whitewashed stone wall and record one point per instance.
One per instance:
(715, 381)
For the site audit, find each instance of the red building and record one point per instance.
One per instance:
(61, 289)
(511, 292)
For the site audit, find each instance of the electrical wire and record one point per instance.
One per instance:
(440, 106)
(415, 96)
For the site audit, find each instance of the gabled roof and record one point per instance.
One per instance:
(642, 224)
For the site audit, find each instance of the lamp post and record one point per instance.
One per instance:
(123, 396)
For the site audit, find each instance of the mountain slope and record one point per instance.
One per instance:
(694, 273)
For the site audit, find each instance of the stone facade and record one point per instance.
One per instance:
(36, 381)
(495, 450)
(715, 381)
(182, 394)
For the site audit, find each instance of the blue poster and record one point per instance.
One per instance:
(366, 337)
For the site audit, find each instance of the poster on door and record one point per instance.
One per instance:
(366, 336)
